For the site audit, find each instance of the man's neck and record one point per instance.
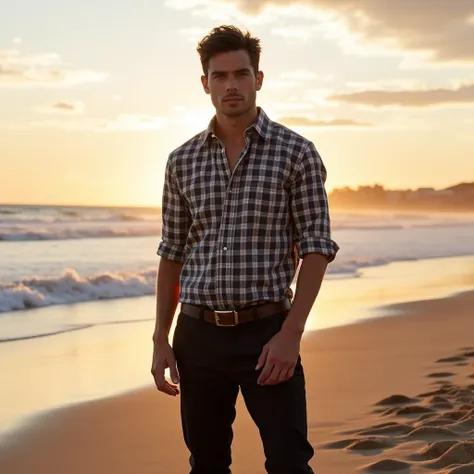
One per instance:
(232, 128)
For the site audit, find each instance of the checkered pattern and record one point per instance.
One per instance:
(241, 234)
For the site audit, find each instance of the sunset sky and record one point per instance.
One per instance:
(94, 95)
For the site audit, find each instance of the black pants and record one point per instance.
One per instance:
(213, 363)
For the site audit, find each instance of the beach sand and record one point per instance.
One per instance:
(392, 394)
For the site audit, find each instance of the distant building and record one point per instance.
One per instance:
(458, 197)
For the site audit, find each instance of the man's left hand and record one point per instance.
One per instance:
(279, 357)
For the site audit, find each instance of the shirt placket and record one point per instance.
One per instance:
(219, 156)
(228, 225)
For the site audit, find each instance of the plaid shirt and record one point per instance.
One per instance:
(241, 234)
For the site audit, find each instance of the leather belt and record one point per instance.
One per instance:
(232, 318)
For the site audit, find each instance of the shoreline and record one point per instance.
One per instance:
(82, 365)
(349, 369)
(394, 268)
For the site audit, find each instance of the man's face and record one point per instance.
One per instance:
(232, 83)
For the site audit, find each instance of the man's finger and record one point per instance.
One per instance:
(171, 389)
(174, 372)
(162, 385)
(285, 375)
(159, 376)
(278, 375)
(273, 377)
(267, 370)
(262, 359)
(167, 388)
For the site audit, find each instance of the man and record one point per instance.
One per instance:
(243, 202)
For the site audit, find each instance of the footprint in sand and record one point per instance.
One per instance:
(440, 391)
(433, 450)
(437, 402)
(375, 427)
(441, 383)
(396, 400)
(391, 430)
(443, 418)
(341, 444)
(467, 469)
(453, 415)
(464, 425)
(407, 411)
(469, 353)
(460, 453)
(388, 465)
(430, 433)
(440, 375)
(371, 443)
(434, 422)
(451, 359)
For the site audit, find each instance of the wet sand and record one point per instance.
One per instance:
(393, 394)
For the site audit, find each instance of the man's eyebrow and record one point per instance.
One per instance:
(244, 69)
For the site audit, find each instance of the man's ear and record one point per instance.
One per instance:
(205, 84)
(260, 76)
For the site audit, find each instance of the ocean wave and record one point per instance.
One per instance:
(19, 233)
(70, 287)
(75, 218)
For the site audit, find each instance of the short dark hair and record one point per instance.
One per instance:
(224, 39)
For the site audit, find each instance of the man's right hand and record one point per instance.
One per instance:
(163, 358)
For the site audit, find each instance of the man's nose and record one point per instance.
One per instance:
(231, 85)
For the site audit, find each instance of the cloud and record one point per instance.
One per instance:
(221, 11)
(464, 94)
(294, 32)
(18, 69)
(184, 4)
(395, 84)
(299, 75)
(123, 123)
(71, 124)
(276, 84)
(295, 121)
(290, 106)
(62, 107)
(442, 29)
(193, 34)
(134, 122)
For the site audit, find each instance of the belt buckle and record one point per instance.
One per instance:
(218, 321)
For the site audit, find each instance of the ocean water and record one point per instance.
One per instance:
(62, 255)
(70, 327)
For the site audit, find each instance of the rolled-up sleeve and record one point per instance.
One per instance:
(176, 219)
(309, 206)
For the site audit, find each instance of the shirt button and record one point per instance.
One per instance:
(225, 248)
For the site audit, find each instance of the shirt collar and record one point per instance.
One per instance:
(262, 126)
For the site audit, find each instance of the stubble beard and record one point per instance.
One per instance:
(238, 111)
